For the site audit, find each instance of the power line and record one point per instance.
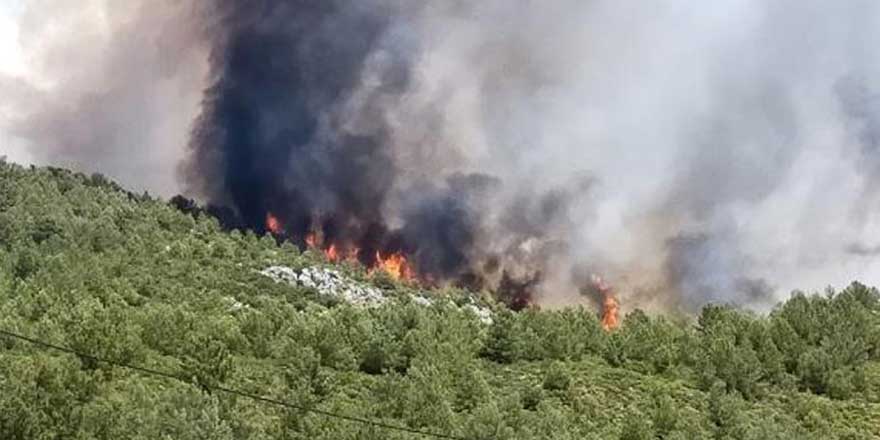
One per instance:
(255, 397)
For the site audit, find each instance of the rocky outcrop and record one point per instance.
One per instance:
(332, 283)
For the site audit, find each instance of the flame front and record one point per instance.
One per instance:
(335, 255)
(394, 265)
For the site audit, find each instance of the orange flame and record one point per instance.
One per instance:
(610, 312)
(335, 255)
(394, 265)
(331, 253)
(610, 305)
(273, 225)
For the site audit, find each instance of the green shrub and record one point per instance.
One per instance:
(557, 378)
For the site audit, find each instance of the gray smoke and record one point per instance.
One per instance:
(729, 149)
(863, 250)
(861, 105)
(704, 268)
(111, 87)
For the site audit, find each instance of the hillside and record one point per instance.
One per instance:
(89, 266)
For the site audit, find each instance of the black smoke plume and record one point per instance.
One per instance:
(269, 138)
(277, 134)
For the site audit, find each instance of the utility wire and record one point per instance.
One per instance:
(255, 397)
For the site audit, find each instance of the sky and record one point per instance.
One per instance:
(12, 63)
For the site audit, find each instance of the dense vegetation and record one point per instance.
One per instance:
(86, 265)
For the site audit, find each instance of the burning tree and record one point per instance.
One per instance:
(610, 305)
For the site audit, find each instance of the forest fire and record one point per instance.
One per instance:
(610, 313)
(335, 255)
(395, 264)
(516, 292)
(332, 254)
(273, 225)
(610, 305)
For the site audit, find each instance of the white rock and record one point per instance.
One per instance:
(328, 282)
(331, 283)
(422, 301)
(485, 315)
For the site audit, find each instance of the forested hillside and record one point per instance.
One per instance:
(89, 266)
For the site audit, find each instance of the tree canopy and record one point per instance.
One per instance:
(128, 277)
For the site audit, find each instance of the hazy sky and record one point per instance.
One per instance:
(12, 63)
(101, 86)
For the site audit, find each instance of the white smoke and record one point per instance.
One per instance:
(106, 86)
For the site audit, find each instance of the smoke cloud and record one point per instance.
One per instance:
(724, 152)
(107, 86)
